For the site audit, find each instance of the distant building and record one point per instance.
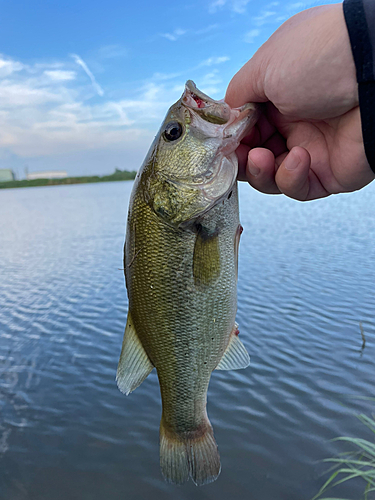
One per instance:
(6, 174)
(48, 174)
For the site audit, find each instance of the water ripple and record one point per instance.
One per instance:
(306, 279)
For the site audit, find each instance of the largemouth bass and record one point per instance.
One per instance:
(180, 262)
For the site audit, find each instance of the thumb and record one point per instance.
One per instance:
(296, 179)
(247, 85)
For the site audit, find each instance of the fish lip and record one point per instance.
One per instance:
(191, 89)
(229, 124)
(212, 111)
(242, 121)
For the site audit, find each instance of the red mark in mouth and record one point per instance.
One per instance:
(198, 100)
(237, 332)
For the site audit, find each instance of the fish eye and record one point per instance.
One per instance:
(173, 131)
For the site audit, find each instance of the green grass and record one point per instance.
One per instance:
(358, 462)
(118, 175)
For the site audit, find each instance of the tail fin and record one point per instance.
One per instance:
(193, 456)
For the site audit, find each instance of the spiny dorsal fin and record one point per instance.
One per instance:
(134, 364)
(235, 355)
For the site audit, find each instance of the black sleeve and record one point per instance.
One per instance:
(360, 21)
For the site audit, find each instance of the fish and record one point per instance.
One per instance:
(181, 266)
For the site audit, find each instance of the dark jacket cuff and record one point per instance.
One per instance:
(360, 21)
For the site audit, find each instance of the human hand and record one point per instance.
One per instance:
(310, 133)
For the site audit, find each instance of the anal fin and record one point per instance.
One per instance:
(134, 364)
(235, 355)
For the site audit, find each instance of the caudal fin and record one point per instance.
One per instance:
(194, 456)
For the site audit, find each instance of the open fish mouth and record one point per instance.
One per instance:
(230, 124)
(216, 112)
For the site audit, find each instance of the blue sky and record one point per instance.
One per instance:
(85, 85)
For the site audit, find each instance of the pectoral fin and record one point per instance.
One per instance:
(235, 355)
(206, 260)
(134, 364)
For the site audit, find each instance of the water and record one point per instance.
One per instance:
(306, 281)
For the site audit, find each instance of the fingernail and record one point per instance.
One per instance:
(292, 161)
(253, 169)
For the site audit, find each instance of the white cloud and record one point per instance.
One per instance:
(178, 32)
(237, 6)
(24, 94)
(69, 127)
(207, 29)
(175, 35)
(210, 83)
(298, 6)
(45, 114)
(211, 61)
(44, 65)
(7, 67)
(178, 89)
(49, 112)
(165, 76)
(240, 7)
(211, 90)
(251, 35)
(60, 75)
(85, 68)
(264, 17)
(284, 11)
(151, 92)
(216, 5)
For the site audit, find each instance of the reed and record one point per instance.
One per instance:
(359, 462)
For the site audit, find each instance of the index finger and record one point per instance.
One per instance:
(247, 85)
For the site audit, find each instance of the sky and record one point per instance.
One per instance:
(85, 85)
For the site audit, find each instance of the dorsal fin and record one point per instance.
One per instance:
(134, 365)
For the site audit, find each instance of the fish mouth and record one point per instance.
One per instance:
(230, 124)
(216, 112)
(216, 120)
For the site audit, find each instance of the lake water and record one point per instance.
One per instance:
(306, 281)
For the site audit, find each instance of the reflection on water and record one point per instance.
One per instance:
(306, 292)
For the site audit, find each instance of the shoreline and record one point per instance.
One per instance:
(117, 176)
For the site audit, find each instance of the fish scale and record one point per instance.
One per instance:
(180, 261)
